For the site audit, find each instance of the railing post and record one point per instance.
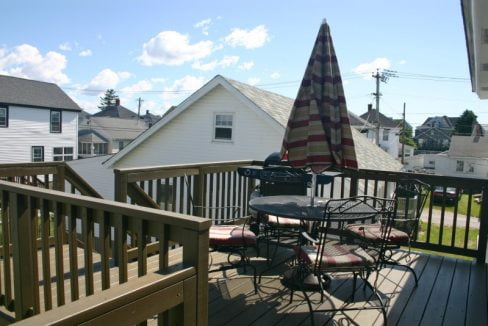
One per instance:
(23, 257)
(198, 193)
(59, 177)
(120, 195)
(483, 233)
(353, 186)
(195, 253)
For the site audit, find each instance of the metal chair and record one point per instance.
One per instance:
(410, 197)
(326, 255)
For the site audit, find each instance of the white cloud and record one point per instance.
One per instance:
(65, 46)
(402, 62)
(368, 68)
(85, 53)
(253, 80)
(26, 61)
(275, 75)
(106, 79)
(225, 62)
(140, 86)
(173, 49)
(204, 25)
(249, 39)
(246, 65)
(158, 80)
(181, 88)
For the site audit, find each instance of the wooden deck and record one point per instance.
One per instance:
(450, 292)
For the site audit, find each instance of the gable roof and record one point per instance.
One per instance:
(116, 111)
(276, 109)
(114, 128)
(444, 122)
(385, 121)
(33, 93)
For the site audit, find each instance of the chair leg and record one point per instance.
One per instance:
(395, 263)
(307, 298)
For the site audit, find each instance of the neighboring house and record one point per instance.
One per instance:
(476, 32)
(389, 131)
(116, 111)
(106, 135)
(222, 121)
(434, 135)
(38, 122)
(467, 157)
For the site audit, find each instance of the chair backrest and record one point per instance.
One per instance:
(353, 210)
(410, 198)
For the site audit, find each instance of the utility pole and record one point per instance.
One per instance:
(385, 74)
(140, 100)
(403, 134)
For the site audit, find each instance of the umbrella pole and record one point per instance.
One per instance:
(314, 185)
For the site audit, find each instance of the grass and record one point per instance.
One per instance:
(462, 206)
(447, 235)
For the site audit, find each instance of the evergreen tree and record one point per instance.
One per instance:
(108, 99)
(464, 124)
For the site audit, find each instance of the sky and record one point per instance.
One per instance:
(162, 51)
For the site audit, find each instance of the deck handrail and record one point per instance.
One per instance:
(29, 213)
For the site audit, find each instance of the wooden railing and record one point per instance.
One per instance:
(49, 175)
(29, 276)
(212, 190)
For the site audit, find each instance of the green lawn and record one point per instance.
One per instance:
(462, 206)
(447, 235)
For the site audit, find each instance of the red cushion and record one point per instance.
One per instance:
(284, 222)
(373, 232)
(231, 235)
(335, 255)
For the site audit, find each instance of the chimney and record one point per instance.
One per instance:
(147, 112)
(117, 102)
(370, 107)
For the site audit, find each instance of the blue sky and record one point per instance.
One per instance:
(161, 51)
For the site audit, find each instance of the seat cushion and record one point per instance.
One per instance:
(283, 222)
(231, 235)
(372, 232)
(336, 255)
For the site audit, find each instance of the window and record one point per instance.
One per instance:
(3, 117)
(85, 149)
(386, 133)
(223, 126)
(100, 148)
(55, 124)
(470, 168)
(63, 153)
(432, 163)
(459, 166)
(121, 145)
(37, 153)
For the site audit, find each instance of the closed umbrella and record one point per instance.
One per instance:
(318, 134)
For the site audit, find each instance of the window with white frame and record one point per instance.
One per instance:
(62, 153)
(100, 148)
(55, 121)
(459, 166)
(85, 149)
(386, 134)
(223, 123)
(37, 153)
(3, 117)
(470, 168)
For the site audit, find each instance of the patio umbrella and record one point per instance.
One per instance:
(318, 135)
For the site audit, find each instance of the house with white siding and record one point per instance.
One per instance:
(222, 121)
(38, 122)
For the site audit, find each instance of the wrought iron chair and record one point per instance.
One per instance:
(231, 238)
(410, 197)
(326, 255)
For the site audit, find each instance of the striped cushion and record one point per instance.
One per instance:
(336, 255)
(231, 235)
(284, 222)
(372, 232)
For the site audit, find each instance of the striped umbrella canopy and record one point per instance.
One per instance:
(318, 135)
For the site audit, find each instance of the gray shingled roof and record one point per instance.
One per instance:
(385, 121)
(114, 128)
(27, 92)
(369, 156)
(116, 111)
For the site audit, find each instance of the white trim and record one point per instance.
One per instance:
(232, 129)
(205, 89)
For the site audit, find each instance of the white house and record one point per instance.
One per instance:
(222, 121)
(38, 122)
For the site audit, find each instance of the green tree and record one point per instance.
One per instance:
(108, 99)
(405, 134)
(464, 124)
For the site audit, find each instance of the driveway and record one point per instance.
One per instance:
(449, 218)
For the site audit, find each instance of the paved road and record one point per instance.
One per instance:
(448, 219)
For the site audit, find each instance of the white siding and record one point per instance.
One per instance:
(29, 127)
(188, 138)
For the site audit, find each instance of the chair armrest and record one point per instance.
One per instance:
(309, 238)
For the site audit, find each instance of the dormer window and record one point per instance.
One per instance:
(55, 121)
(223, 124)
